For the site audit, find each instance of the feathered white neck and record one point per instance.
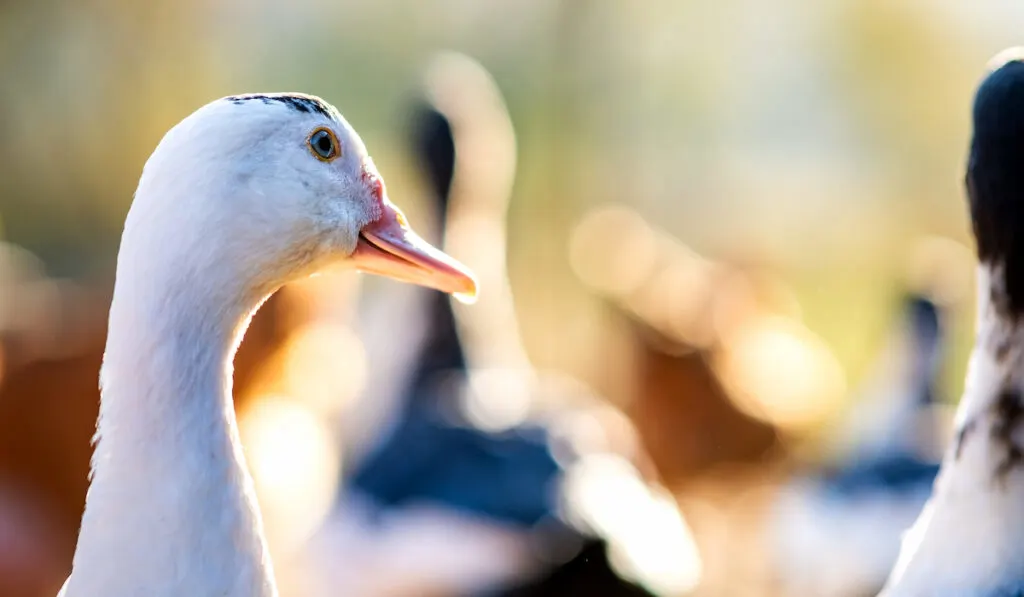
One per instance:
(967, 540)
(171, 508)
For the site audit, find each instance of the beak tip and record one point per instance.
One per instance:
(467, 288)
(468, 296)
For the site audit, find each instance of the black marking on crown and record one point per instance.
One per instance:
(299, 103)
(995, 183)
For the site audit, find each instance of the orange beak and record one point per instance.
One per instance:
(388, 247)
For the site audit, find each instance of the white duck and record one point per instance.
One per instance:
(243, 196)
(969, 540)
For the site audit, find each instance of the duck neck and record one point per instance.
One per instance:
(171, 506)
(992, 408)
(978, 494)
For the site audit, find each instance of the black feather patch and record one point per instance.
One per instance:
(299, 103)
(995, 182)
(1007, 413)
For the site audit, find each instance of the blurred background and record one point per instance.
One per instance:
(727, 284)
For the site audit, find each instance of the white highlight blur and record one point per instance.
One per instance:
(649, 541)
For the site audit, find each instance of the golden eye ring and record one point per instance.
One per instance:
(323, 144)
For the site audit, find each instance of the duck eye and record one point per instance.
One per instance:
(324, 145)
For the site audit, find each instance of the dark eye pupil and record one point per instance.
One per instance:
(323, 145)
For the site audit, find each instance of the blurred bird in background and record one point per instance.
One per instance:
(720, 367)
(836, 528)
(493, 478)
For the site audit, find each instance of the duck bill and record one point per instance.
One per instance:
(388, 247)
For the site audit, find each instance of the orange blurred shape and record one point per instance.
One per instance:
(614, 250)
(777, 369)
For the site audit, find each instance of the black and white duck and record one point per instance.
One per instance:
(967, 540)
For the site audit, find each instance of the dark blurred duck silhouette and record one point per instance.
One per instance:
(464, 495)
(836, 530)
